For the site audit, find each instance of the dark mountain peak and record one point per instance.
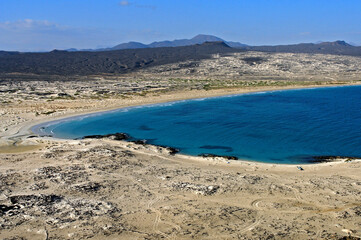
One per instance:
(166, 44)
(343, 43)
(58, 51)
(198, 39)
(336, 43)
(206, 38)
(129, 45)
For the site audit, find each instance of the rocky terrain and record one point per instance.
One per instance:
(23, 95)
(263, 66)
(337, 48)
(85, 63)
(101, 188)
(109, 189)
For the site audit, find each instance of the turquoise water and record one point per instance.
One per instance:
(277, 127)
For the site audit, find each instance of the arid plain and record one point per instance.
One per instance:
(108, 189)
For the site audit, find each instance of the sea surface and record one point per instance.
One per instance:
(287, 127)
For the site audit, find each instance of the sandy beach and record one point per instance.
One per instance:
(81, 107)
(103, 188)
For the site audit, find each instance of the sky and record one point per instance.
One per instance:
(42, 25)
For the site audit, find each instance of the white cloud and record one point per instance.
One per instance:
(124, 3)
(29, 24)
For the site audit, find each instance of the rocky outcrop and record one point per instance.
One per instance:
(57, 210)
(196, 188)
(323, 159)
(209, 155)
(171, 150)
(113, 136)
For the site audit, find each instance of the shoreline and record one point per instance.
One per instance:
(27, 128)
(180, 96)
(108, 188)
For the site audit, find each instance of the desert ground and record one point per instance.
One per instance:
(108, 189)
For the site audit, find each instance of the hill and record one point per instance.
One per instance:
(199, 39)
(337, 48)
(118, 61)
(129, 45)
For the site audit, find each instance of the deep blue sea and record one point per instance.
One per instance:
(288, 126)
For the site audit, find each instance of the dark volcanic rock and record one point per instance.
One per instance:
(349, 238)
(140, 142)
(5, 208)
(38, 200)
(172, 150)
(88, 187)
(205, 155)
(113, 62)
(113, 136)
(32, 136)
(144, 142)
(53, 209)
(322, 159)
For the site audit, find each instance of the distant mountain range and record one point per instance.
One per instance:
(337, 48)
(199, 39)
(115, 60)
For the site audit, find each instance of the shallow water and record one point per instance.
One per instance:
(287, 126)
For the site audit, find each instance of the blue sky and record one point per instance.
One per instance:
(36, 25)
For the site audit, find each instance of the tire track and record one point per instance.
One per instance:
(250, 227)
